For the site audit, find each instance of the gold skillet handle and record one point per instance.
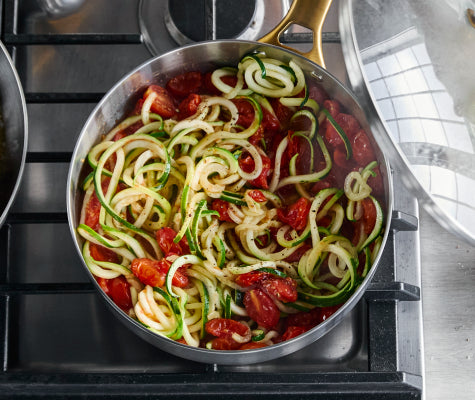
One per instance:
(471, 16)
(310, 14)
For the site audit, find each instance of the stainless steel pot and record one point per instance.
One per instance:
(205, 56)
(13, 132)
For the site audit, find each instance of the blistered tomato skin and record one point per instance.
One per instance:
(296, 214)
(293, 331)
(180, 279)
(118, 289)
(246, 112)
(165, 237)
(163, 104)
(348, 123)
(222, 207)
(282, 289)
(261, 308)
(257, 138)
(369, 215)
(339, 158)
(257, 196)
(318, 94)
(247, 165)
(362, 150)
(225, 327)
(376, 183)
(269, 122)
(189, 106)
(101, 253)
(307, 319)
(153, 272)
(283, 113)
(252, 278)
(332, 106)
(185, 84)
(93, 208)
(148, 271)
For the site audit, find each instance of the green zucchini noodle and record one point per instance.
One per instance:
(170, 173)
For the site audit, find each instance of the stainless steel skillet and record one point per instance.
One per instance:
(206, 56)
(13, 132)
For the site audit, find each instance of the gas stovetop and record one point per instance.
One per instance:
(60, 340)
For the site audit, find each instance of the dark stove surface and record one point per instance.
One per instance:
(60, 340)
(191, 17)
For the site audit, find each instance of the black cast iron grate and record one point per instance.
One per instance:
(379, 379)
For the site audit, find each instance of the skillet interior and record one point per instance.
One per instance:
(121, 99)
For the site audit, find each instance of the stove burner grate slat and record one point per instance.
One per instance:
(15, 39)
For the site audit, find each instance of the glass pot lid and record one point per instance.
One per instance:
(411, 63)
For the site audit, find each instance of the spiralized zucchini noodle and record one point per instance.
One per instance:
(203, 215)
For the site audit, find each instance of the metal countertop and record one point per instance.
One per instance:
(448, 303)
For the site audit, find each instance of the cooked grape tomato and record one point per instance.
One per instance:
(261, 308)
(163, 104)
(283, 289)
(185, 84)
(225, 327)
(148, 271)
(165, 238)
